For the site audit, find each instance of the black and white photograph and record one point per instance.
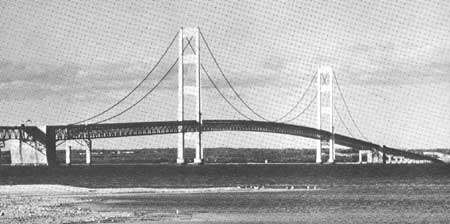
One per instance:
(224, 111)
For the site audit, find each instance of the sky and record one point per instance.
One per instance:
(64, 61)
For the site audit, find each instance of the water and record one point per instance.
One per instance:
(347, 194)
(387, 203)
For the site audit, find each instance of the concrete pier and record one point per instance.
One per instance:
(68, 154)
(26, 153)
(368, 154)
(88, 151)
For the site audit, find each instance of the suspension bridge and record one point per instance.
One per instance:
(189, 42)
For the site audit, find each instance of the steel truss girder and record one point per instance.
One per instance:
(29, 133)
(111, 130)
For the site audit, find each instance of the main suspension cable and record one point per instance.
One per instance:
(303, 111)
(142, 98)
(342, 121)
(134, 89)
(221, 94)
(299, 101)
(347, 108)
(228, 81)
(216, 87)
(236, 93)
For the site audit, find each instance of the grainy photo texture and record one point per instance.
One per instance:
(215, 111)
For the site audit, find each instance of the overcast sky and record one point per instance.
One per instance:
(63, 61)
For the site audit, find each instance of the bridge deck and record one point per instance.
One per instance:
(112, 130)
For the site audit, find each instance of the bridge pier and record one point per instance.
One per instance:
(88, 151)
(389, 159)
(395, 160)
(360, 157)
(376, 157)
(180, 148)
(51, 146)
(68, 152)
(319, 151)
(369, 156)
(198, 149)
(331, 152)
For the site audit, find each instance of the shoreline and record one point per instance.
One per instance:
(36, 189)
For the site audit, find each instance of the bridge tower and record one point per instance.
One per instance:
(185, 37)
(325, 110)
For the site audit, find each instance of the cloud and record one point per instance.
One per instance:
(394, 64)
(19, 80)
